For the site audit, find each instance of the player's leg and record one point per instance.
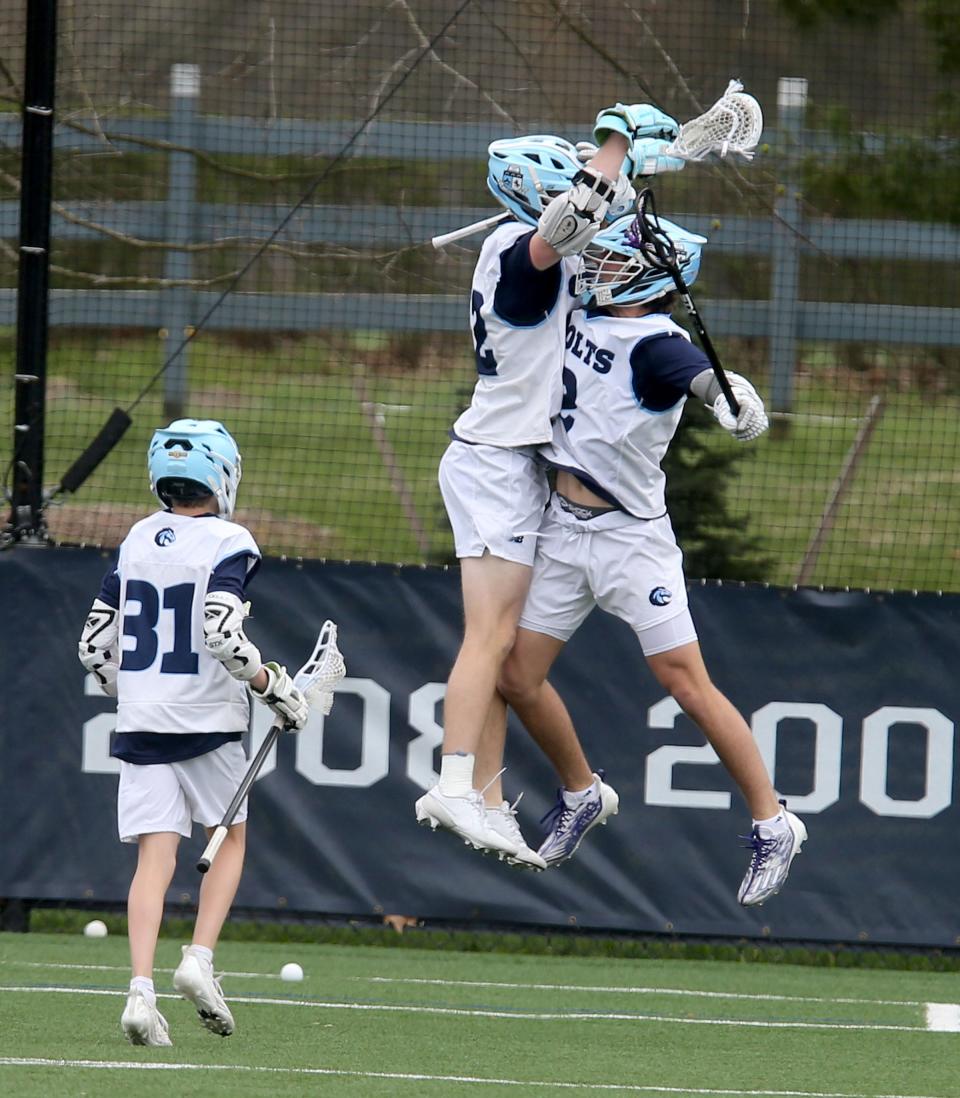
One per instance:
(152, 813)
(523, 682)
(777, 835)
(494, 498)
(209, 783)
(156, 862)
(487, 779)
(640, 579)
(219, 887)
(493, 594)
(584, 799)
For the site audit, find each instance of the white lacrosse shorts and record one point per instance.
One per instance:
(495, 498)
(632, 568)
(171, 796)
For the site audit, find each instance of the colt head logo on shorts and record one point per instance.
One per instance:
(165, 537)
(660, 596)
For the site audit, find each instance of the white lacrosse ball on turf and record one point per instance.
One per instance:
(291, 972)
(96, 928)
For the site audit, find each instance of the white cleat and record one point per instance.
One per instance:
(194, 980)
(464, 816)
(770, 862)
(142, 1023)
(503, 820)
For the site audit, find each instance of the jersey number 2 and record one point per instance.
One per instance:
(486, 363)
(569, 403)
(142, 626)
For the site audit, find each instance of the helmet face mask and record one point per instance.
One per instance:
(614, 269)
(195, 454)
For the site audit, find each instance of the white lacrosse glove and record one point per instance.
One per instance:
(636, 121)
(97, 649)
(283, 697)
(752, 420)
(223, 635)
(573, 218)
(624, 196)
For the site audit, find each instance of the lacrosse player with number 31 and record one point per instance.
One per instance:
(165, 636)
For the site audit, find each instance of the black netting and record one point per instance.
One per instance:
(244, 195)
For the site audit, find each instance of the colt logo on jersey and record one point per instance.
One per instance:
(165, 537)
(660, 596)
(598, 358)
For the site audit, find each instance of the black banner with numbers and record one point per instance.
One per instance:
(852, 697)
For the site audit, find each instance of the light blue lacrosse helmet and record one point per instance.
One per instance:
(200, 451)
(614, 269)
(526, 173)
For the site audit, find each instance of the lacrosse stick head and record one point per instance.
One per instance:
(733, 124)
(322, 671)
(194, 457)
(632, 261)
(525, 174)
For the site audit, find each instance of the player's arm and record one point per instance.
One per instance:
(224, 612)
(573, 218)
(98, 649)
(752, 419)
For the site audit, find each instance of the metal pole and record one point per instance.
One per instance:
(181, 196)
(36, 172)
(785, 286)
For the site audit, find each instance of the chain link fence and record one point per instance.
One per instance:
(244, 196)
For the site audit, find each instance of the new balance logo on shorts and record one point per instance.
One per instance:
(165, 537)
(518, 539)
(660, 596)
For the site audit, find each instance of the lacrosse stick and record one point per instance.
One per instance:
(659, 252)
(733, 124)
(469, 230)
(315, 680)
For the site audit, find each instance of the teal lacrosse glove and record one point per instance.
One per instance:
(650, 157)
(635, 121)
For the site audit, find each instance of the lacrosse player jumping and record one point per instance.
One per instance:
(606, 538)
(165, 636)
(493, 487)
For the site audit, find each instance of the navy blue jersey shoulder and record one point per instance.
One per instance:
(663, 365)
(524, 294)
(234, 573)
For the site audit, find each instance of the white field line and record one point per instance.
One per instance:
(126, 968)
(652, 991)
(943, 1017)
(512, 1015)
(135, 1065)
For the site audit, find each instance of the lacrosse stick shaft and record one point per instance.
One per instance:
(469, 230)
(705, 342)
(220, 831)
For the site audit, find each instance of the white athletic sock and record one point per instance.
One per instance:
(145, 986)
(203, 952)
(456, 774)
(773, 825)
(575, 799)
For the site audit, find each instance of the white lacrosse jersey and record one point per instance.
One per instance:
(625, 382)
(518, 317)
(168, 681)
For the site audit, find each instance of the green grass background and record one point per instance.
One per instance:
(660, 1051)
